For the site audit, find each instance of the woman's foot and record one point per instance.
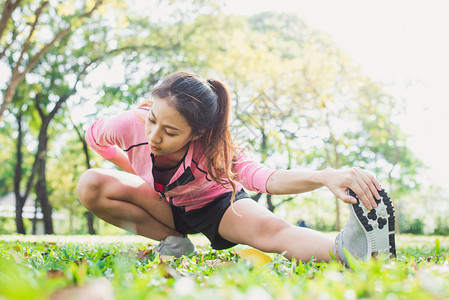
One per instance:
(175, 246)
(367, 232)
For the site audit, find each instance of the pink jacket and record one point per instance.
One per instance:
(191, 186)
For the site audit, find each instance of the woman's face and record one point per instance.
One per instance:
(167, 130)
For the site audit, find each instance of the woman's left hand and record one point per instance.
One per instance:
(361, 182)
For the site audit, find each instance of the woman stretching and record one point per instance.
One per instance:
(182, 174)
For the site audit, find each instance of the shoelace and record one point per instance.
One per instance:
(160, 245)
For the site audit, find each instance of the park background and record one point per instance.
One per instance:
(314, 85)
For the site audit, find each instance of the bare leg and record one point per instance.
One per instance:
(126, 201)
(258, 227)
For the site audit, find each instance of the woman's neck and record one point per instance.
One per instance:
(169, 161)
(162, 167)
(166, 163)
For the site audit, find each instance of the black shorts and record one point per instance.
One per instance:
(206, 219)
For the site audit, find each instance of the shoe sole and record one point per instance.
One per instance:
(378, 224)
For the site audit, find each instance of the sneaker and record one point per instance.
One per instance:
(367, 232)
(175, 246)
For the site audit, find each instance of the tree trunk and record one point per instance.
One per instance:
(41, 184)
(90, 222)
(41, 160)
(270, 205)
(89, 216)
(18, 174)
(257, 197)
(19, 210)
(36, 206)
(20, 201)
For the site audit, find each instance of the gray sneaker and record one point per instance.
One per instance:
(175, 246)
(367, 232)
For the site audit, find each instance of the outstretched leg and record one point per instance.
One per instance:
(126, 201)
(251, 224)
(366, 233)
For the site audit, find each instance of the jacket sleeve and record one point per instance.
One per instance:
(104, 135)
(252, 175)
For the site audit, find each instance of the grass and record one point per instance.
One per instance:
(125, 267)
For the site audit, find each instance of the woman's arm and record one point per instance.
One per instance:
(107, 136)
(364, 185)
(121, 160)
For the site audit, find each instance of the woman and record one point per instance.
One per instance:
(183, 174)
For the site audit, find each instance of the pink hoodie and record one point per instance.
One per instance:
(191, 186)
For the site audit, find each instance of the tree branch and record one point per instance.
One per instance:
(26, 45)
(8, 9)
(37, 105)
(31, 178)
(14, 36)
(82, 140)
(46, 48)
(57, 37)
(89, 13)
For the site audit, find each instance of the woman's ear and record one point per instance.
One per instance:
(197, 136)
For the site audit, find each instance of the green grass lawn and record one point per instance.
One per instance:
(125, 267)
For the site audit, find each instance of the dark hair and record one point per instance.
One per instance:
(206, 105)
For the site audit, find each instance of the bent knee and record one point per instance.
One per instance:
(89, 187)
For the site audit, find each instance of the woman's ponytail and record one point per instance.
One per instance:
(217, 143)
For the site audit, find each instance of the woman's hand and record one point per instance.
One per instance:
(361, 182)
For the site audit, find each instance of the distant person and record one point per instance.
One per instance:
(182, 174)
(302, 223)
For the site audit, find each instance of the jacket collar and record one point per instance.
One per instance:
(184, 174)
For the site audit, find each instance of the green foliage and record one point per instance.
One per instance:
(38, 270)
(414, 226)
(7, 160)
(442, 226)
(7, 225)
(298, 99)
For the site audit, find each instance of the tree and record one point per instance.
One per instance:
(23, 162)
(25, 44)
(89, 215)
(63, 69)
(298, 99)
(60, 71)
(298, 96)
(62, 180)
(262, 66)
(18, 174)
